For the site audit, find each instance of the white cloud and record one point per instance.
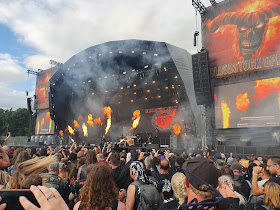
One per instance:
(58, 29)
(10, 70)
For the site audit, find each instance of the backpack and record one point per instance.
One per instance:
(147, 195)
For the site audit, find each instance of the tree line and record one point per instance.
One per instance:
(19, 122)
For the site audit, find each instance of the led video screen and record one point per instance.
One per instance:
(250, 104)
(242, 36)
(44, 123)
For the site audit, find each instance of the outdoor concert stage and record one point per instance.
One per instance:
(124, 88)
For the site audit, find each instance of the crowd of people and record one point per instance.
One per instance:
(107, 178)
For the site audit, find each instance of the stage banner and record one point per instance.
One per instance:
(43, 88)
(44, 123)
(242, 36)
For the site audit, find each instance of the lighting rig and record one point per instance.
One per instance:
(197, 4)
(213, 2)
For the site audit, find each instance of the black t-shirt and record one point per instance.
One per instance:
(174, 204)
(273, 179)
(165, 186)
(121, 176)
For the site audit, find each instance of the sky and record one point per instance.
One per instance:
(35, 31)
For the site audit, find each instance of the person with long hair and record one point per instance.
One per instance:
(99, 192)
(26, 168)
(179, 187)
(232, 199)
(271, 199)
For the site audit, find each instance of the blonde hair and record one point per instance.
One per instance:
(271, 195)
(179, 187)
(32, 166)
(4, 177)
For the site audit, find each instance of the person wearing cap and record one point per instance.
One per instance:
(205, 170)
(179, 163)
(243, 188)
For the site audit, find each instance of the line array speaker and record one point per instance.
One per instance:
(201, 78)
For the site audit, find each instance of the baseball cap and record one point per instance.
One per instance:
(202, 168)
(180, 161)
(236, 166)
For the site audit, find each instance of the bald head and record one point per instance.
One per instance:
(164, 164)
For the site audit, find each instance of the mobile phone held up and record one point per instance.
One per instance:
(11, 198)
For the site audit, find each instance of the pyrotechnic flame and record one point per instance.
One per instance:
(90, 120)
(226, 114)
(215, 96)
(61, 133)
(85, 130)
(70, 129)
(242, 102)
(48, 116)
(97, 121)
(80, 117)
(50, 126)
(177, 129)
(108, 111)
(265, 87)
(38, 127)
(76, 124)
(42, 122)
(136, 119)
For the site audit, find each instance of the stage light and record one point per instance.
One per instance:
(84, 82)
(131, 101)
(166, 88)
(89, 57)
(124, 72)
(175, 77)
(134, 85)
(134, 93)
(159, 96)
(128, 87)
(173, 86)
(119, 102)
(148, 91)
(89, 81)
(144, 53)
(133, 70)
(106, 91)
(146, 67)
(154, 82)
(68, 69)
(74, 64)
(120, 51)
(165, 69)
(155, 54)
(105, 77)
(121, 88)
(92, 94)
(100, 54)
(132, 51)
(110, 52)
(146, 98)
(53, 106)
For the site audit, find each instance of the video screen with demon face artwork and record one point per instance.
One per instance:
(242, 36)
(250, 104)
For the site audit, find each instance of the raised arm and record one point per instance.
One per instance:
(9, 135)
